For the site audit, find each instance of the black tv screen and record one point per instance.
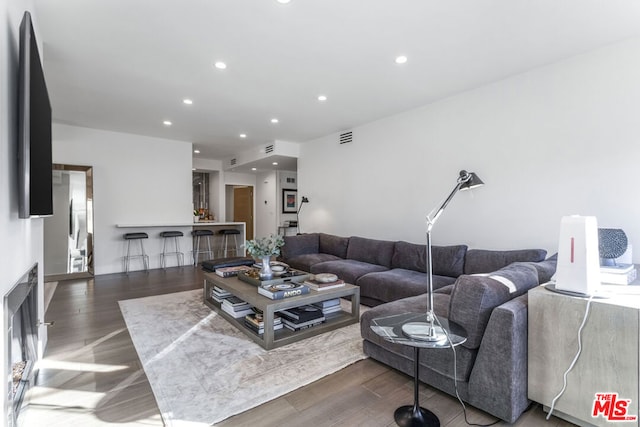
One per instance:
(34, 129)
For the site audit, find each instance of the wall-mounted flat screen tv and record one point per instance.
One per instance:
(34, 129)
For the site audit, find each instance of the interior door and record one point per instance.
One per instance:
(243, 208)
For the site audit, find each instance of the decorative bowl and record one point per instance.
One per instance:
(326, 277)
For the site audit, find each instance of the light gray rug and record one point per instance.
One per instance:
(203, 370)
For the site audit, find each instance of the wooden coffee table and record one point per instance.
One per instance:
(272, 339)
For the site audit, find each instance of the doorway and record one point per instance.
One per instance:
(243, 208)
(68, 234)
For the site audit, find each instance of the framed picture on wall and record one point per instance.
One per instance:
(289, 201)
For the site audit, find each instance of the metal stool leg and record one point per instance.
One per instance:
(196, 245)
(126, 258)
(165, 251)
(179, 255)
(162, 255)
(235, 244)
(145, 258)
(209, 246)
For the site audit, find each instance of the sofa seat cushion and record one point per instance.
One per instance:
(371, 251)
(438, 360)
(447, 260)
(486, 261)
(305, 262)
(398, 283)
(348, 270)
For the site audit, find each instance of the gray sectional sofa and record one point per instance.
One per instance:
(484, 291)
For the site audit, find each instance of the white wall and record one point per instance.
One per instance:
(56, 228)
(559, 140)
(266, 204)
(22, 239)
(136, 180)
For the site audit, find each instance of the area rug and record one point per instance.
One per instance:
(203, 370)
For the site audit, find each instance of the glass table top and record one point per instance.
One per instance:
(404, 329)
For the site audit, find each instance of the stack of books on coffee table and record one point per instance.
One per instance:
(329, 306)
(255, 322)
(219, 294)
(236, 307)
(298, 318)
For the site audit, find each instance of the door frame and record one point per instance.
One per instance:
(88, 171)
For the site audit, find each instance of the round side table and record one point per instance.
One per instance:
(391, 329)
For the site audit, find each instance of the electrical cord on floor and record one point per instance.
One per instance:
(455, 380)
(575, 359)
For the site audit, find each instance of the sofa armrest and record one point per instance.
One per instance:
(499, 376)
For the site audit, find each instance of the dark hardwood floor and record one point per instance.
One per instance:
(91, 374)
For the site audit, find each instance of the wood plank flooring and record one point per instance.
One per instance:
(91, 374)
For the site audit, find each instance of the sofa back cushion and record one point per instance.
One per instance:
(301, 244)
(447, 260)
(518, 278)
(546, 269)
(372, 251)
(486, 261)
(334, 245)
(475, 296)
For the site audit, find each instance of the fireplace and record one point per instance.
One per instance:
(21, 318)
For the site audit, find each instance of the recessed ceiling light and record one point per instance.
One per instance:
(167, 123)
(322, 97)
(196, 151)
(220, 65)
(275, 163)
(187, 101)
(401, 59)
(254, 169)
(243, 135)
(283, 1)
(274, 120)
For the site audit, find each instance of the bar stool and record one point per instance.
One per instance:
(226, 232)
(198, 234)
(168, 235)
(129, 237)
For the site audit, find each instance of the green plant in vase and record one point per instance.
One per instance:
(263, 249)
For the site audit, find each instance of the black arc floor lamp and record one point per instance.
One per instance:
(429, 331)
(302, 202)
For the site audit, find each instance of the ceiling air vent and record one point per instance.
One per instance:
(233, 161)
(346, 137)
(269, 149)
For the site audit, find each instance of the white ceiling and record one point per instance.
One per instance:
(126, 65)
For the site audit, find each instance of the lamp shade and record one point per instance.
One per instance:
(469, 180)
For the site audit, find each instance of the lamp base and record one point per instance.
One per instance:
(424, 331)
(410, 416)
